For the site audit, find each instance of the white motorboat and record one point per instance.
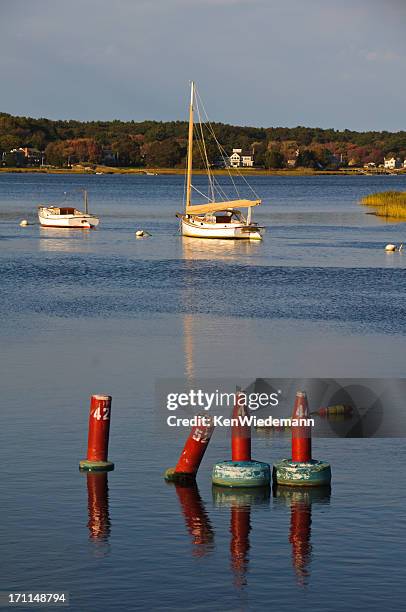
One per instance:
(215, 219)
(66, 216)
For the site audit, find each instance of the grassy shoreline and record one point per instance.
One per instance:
(181, 171)
(387, 204)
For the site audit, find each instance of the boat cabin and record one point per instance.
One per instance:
(221, 216)
(64, 211)
(58, 210)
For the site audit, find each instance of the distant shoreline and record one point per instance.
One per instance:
(181, 171)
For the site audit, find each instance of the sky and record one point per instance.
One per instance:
(317, 63)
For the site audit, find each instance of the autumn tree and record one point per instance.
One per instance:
(307, 159)
(55, 153)
(274, 159)
(165, 154)
(127, 151)
(65, 152)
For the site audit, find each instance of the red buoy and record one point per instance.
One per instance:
(240, 433)
(241, 471)
(301, 469)
(301, 434)
(193, 451)
(332, 411)
(98, 437)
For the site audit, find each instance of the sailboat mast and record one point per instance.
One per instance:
(86, 201)
(190, 148)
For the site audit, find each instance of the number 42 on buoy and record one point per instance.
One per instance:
(97, 414)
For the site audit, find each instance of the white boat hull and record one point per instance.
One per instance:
(69, 221)
(234, 231)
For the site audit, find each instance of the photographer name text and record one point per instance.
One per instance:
(244, 420)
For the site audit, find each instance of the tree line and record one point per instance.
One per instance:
(164, 144)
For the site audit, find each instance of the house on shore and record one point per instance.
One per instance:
(241, 159)
(392, 163)
(109, 158)
(292, 158)
(31, 156)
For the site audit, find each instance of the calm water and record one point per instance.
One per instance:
(103, 312)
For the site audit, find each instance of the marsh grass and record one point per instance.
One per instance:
(387, 203)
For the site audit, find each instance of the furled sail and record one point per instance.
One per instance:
(217, 206)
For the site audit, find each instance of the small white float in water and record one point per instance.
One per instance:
(391, 248)
(141, 234)
(24, 223)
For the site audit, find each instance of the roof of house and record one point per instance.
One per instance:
(242, 154)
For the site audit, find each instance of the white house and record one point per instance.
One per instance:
(239, 159)
(235, 158)
(247, 160)
(391, 163)
(292, 159)
(404, 164)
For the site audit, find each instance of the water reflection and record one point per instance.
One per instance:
(64, 240)
(215, 249)
(202, 249)
(300, 500)
(188, 344)
(99, 524)
(240, 502)
(196, 518)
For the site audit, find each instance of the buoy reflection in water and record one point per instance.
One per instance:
(300, 500)
(196, 518)
(240, 502)
(99, 523)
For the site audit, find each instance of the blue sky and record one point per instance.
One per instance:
(327, 63)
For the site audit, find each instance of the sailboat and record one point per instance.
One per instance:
(214, 219)
(66, 216)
